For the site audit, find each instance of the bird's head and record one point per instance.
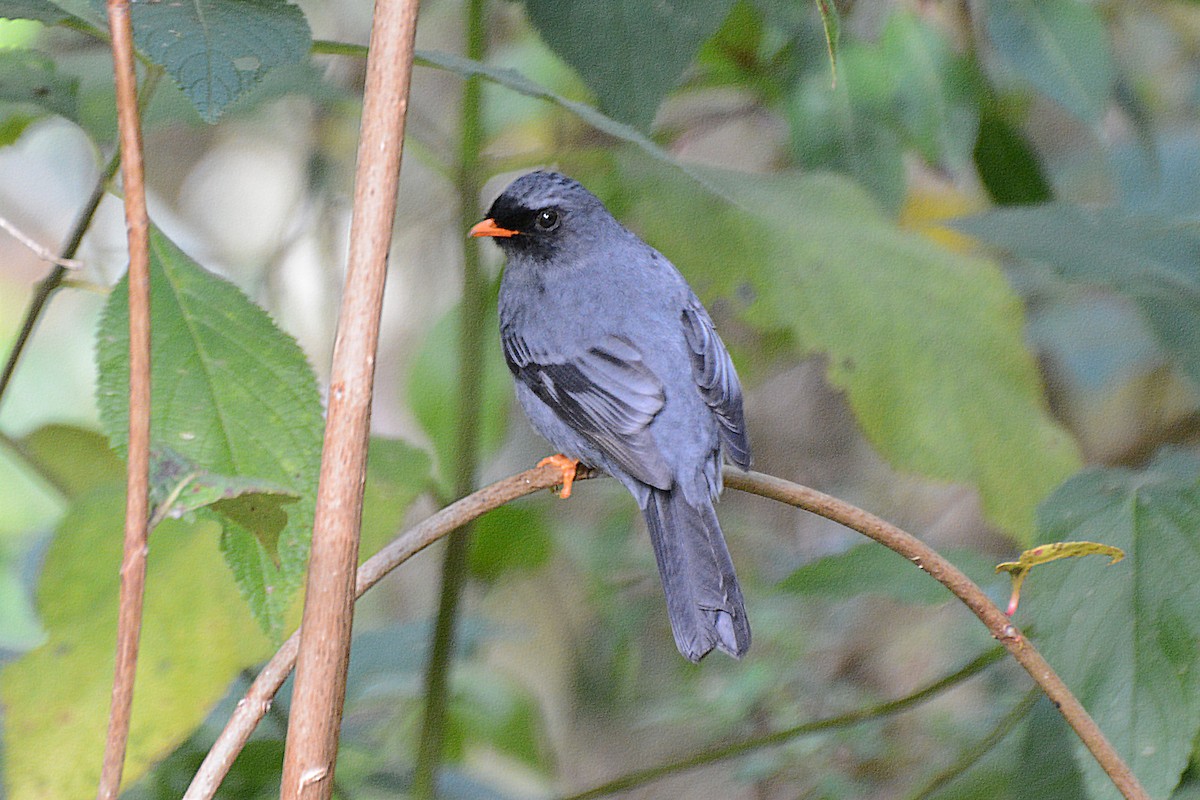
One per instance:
(544, 216)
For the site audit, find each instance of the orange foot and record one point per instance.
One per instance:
(566, 466)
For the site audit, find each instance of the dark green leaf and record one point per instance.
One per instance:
(927, 344)
(1008, 165)
(1060, 47)
(31, 79)
(507, 538)
(1154, 262)
(629, 52)
(1124, 637)
(217, 50)
(40, 10)
(233, 395)
(1046, 768)
(873, 569)
(433, 390)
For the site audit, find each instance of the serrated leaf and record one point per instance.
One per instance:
(32, 79)
(433, 390)
(630, 53)
(1124, 639)
(927, 344)
(1154, 262)
(232, 394)
(196, 637)
(179, 485)
(1060, 47)
(217, 50)
(872, 569)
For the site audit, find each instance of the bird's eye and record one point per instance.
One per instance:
(547, 219)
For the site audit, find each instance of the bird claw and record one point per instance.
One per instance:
(566, 466)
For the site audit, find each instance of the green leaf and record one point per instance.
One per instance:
(1124, 637)
(76, 459)
(433, 390)
(196, 637)
(217, 50)
(1060, 47)
(935, 91)
(1154, 262)
(31, 79)
(928, 345)
(40, 10)
(873, 569)
(1008, 165)
(232, 394)
(397, 474)
(509, 538)
(629, 52)
(178, 486)
(850, 128)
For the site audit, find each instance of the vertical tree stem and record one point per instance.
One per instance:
(324, 649)
(475, 297)
(137, 491)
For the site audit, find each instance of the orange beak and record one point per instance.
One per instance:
(489, 228)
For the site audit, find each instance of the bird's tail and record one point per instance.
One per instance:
(704, 600)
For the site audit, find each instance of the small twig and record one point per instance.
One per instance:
(137, 493)
(324, 650)
(856, 717)
(251, 709)
(42, 252)
(54, 281)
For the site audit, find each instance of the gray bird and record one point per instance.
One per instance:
(619, 366)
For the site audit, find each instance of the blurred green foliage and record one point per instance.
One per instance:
(968, 370)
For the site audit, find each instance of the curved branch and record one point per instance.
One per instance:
(258, 698)
(945, 573)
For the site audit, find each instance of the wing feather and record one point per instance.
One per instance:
(607, 394)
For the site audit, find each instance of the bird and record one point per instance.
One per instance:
(619, 366)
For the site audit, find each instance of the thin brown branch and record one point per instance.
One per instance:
(1001, 627)
(324, 649)
(133, 563)
(251, 709)
(258, 698)
(39, 250)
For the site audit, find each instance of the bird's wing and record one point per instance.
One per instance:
(607, 394)
(717, 380)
